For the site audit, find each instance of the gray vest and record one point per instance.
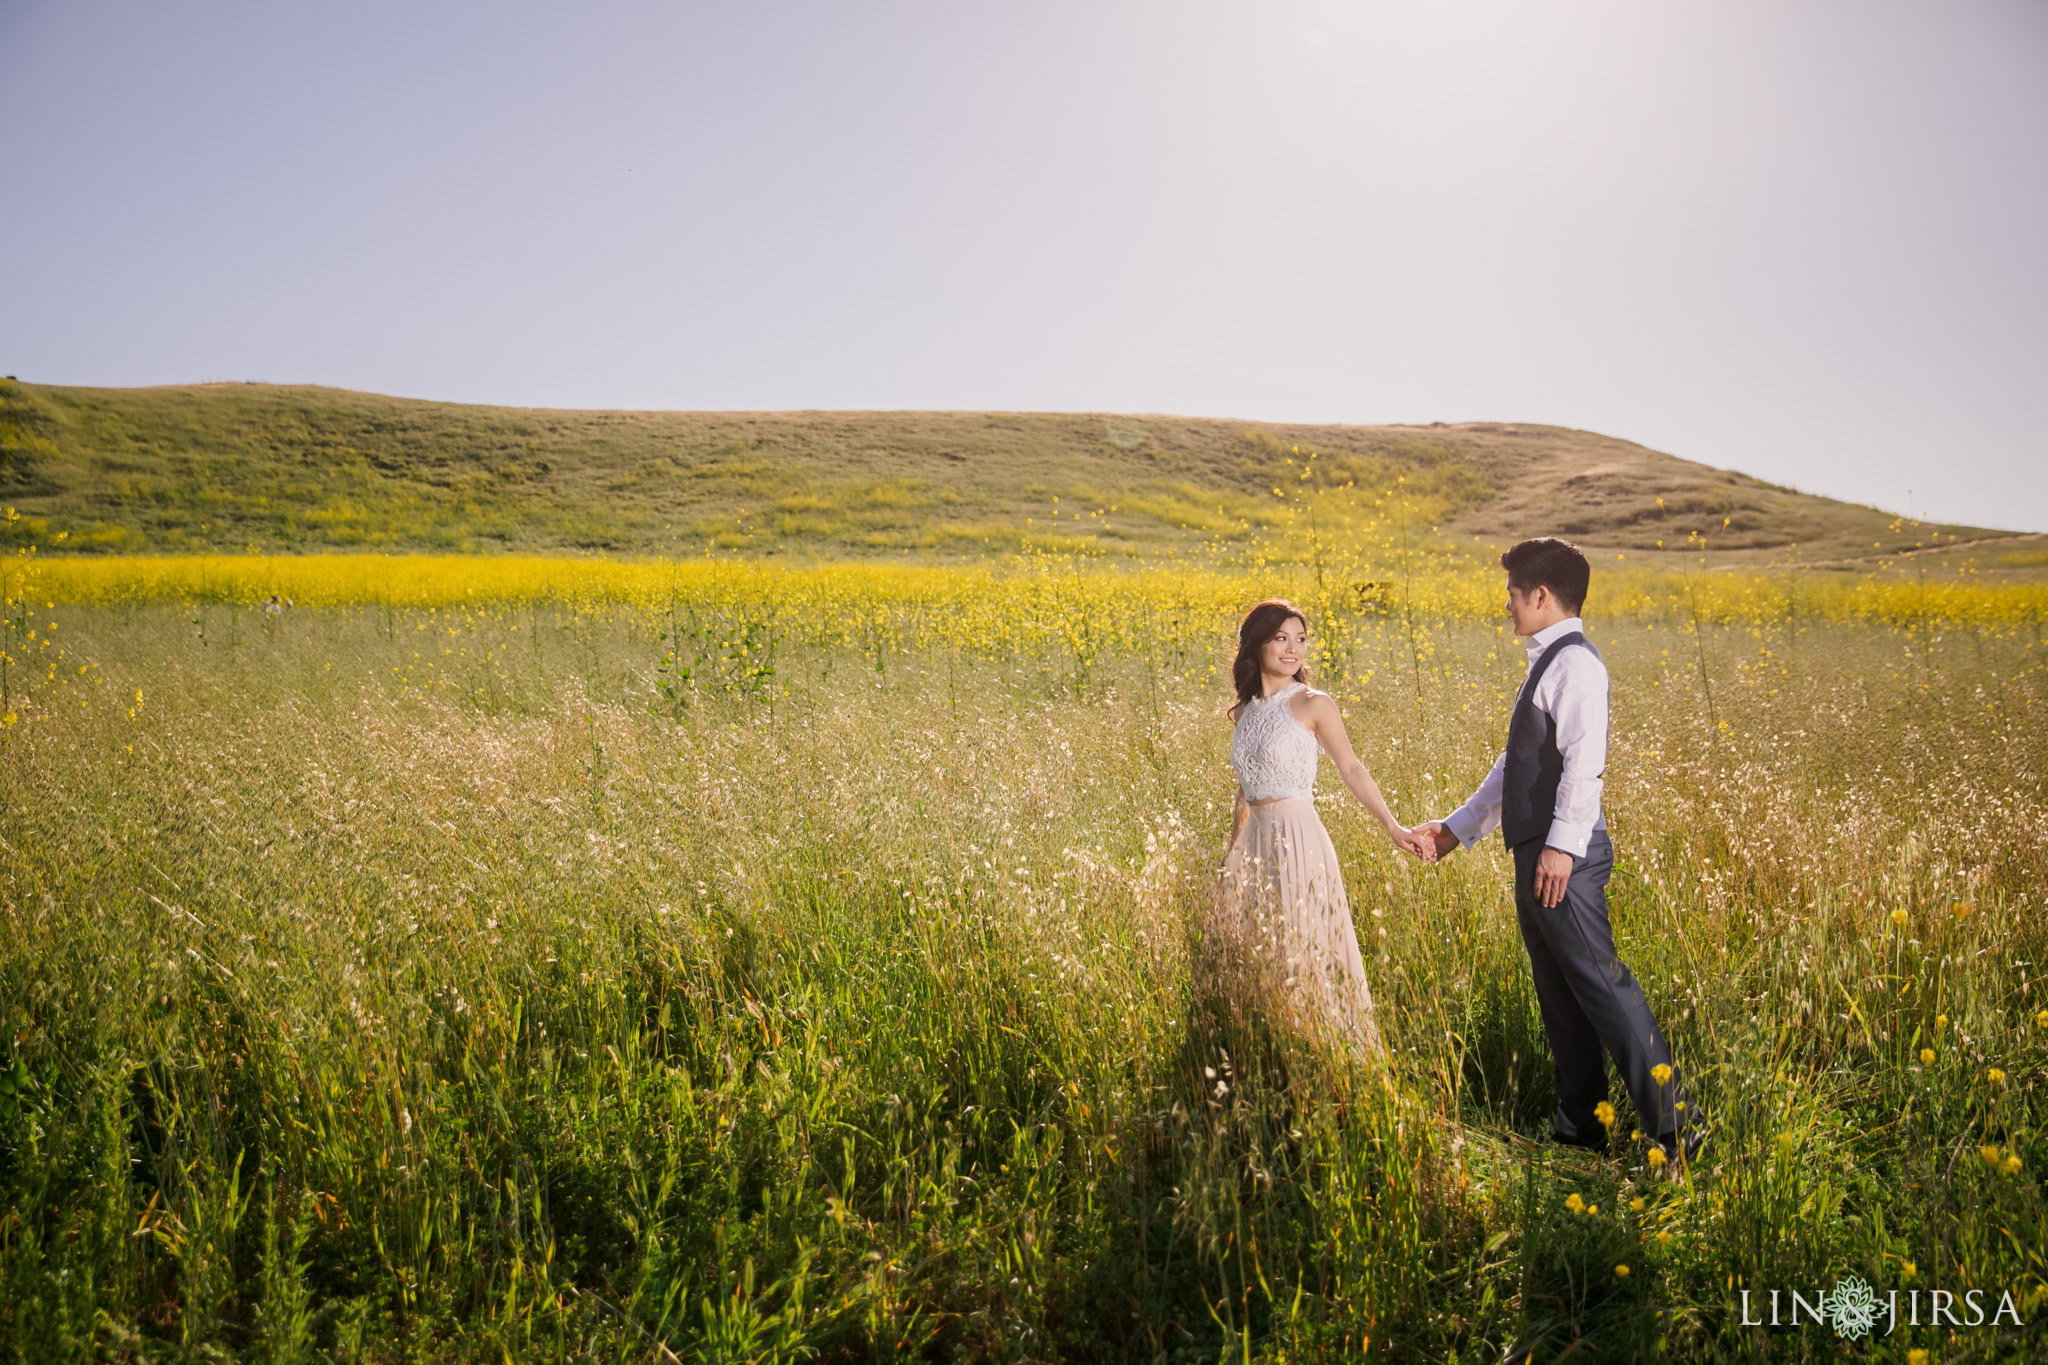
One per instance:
(1528, 788)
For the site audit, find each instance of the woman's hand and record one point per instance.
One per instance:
(1408, 841)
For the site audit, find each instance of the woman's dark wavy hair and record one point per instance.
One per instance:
(1261, 624)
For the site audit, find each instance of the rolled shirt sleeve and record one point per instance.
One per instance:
(1578, 710)
(1480, 815)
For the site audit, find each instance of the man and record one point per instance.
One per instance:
(1544, 794)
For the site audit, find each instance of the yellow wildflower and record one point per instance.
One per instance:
(1899, 918)
(1908, 1269)
(1663, 1239)
(1661, 1074)
(1927, 1056)
(1960, 909)
(1604, 1112)
(1941, 1021)
(2012, 1163)
(1995, 1076)
(1636, 1203)
(1574, 1203)
(1991, 1157)
(1656, 1157)
(2042, 1018)
(1622, 1271)
(1592, 1209)
(1916, 1356)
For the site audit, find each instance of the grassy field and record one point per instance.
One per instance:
(720, 962)
(233, 468)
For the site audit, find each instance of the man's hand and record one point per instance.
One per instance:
(1436, 838)
(1553, 870)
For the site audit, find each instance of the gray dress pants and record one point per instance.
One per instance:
(1592, 1007)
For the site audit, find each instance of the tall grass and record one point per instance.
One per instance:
(551, 1001)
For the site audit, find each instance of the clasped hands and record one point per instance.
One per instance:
(1432, 841)
(1553, 866)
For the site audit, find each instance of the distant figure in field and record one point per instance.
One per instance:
(1281, 918)
(1544, 794)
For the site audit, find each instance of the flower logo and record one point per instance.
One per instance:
(1852, 1307)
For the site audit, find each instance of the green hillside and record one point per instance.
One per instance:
(236, 467)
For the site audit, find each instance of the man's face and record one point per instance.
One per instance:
(1527, 610)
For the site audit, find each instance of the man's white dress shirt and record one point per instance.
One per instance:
(1573, 693)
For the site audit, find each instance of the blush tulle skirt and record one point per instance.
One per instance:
(1281, 928)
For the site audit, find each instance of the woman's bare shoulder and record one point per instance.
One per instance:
(1310, 702)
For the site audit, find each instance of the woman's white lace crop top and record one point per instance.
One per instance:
(1274, 754)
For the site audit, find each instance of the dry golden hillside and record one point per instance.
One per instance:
(230, 467)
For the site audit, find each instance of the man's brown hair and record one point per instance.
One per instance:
(1547, 562)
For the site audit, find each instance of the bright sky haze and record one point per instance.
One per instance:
(1803, 240)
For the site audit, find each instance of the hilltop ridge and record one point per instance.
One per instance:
(284, 468)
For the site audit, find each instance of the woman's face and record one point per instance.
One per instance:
(1284, 653)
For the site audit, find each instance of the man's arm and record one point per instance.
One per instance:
(1577, 704)
(1477, 818)
(1577, 684)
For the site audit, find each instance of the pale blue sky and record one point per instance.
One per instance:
(1799, 238)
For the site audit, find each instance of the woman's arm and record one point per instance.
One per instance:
(1318, 712)
(1240, 812)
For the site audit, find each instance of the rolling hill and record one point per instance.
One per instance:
(238, 467)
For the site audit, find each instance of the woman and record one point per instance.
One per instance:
(1281, 911)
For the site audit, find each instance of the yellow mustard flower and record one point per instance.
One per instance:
(1574, 1202)
(1927, 1056)
(1622, 1271)
(1604, 1112)
(1899, 918)
(1661, 1074)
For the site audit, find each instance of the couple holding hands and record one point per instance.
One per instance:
(1281, 897)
